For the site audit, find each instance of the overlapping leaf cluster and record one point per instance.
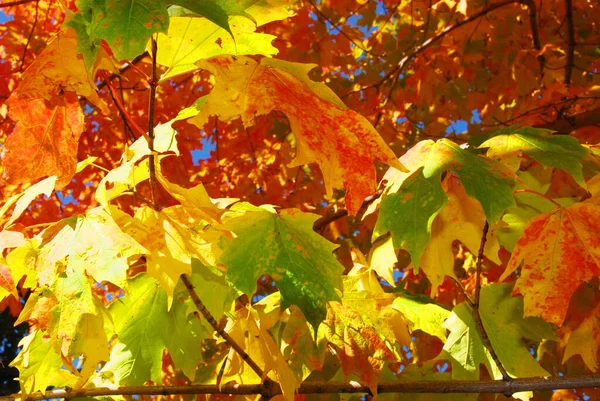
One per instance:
(101, 281)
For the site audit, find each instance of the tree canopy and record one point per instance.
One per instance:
(318, 199)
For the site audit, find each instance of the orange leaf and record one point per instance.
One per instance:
(45, 139)
(559, 250)
(343, 143)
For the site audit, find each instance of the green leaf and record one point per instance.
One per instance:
(284, 245)
(126, 25)
(424, 314)
(40, 364)
(411, 202)
(146, 328)
(502, 317)
(527, 206)
(560, 151)
(408, 213)
(483, 179)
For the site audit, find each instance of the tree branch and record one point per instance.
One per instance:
(15, 3)
(322, 222)
(391, 386)
(576, 121)
(571, 41)
(535, 35)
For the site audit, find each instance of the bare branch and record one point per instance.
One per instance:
(571, 41)
(15, 3)
(390, 386)
(576, 121)
(534, 32)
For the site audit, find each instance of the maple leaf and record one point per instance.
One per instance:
(502, 317)
(410, 202)
(182, 46)
(462, 219)
(584, 340)
(558, 251)
(423, 314)
(527, 207)
(128, 25)
(274, 360)
(7, 283)
(45, 139)
(146, 328)
(40, 364)
(59, 68)
(560, 151)
(367, 333)
(284, 246)
(92, 243)
(340, 141)
(24, 199)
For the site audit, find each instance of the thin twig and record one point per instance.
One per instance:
(322, 222)
(571, 41)
(15, 3)
(123, 69)
(484, 337)
(462, 290)
(315, 387)
(215, 325)
(340, 30)
(153, 85)
(37, 9)
(126, 117)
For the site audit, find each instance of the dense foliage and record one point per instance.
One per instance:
(280, 192)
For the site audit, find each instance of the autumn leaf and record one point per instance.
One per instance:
(365, 331)
(502, 317)
(423, 314)
(340, 141)
(411, 202)
(44, 142)
(558, 251)
(560, 151)
(409, 213)
(93, 243)
(24, 199)
(284, 246)
(182, 47)
(584, 340)
(171, 240)
(59, 68)
(462, 219)
(145, 328)
(40, 364)
(128, 25)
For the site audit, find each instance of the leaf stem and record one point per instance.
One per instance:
(484, 337)
(531, 191)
